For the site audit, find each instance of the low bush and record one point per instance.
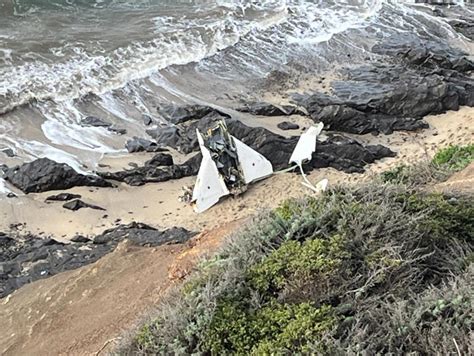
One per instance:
(455, 157)
(377, 268)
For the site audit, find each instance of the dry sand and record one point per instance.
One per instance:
(158, 204)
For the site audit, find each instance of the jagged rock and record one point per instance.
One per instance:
(267, 109)
(346, 154)
(3, 169)
(95, 122)
(464, 26)
(286, 125)
(44, 174)
(428, 54)
(160, 159)
(80, 239)
(63, 197)
(77, 204)
(176, 114)
(142, 145)
(147, 120)
(426, 78)
(151, 173)
(26, 259)
(9, 152)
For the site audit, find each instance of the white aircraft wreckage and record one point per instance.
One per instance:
(228, 165)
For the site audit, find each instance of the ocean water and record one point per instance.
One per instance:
(63, 60)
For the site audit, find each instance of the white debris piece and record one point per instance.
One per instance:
(306, 145)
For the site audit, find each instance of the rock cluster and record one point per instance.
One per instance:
(26, 259)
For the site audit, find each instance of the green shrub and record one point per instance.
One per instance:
(455, 157)
(273, 329)
(362, 270)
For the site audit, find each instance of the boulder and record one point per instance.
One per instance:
(267, 109)
(9, 152)
(117, 130)
(44, 174)
(160, 159)
(142, 145)
(147, 120)
(152, 173)
(286, 125)
(48, 257)
(77, 204)
(177, 114)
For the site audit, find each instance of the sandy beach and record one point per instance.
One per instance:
(158, 204)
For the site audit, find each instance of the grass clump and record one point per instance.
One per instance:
(455, 157)
(379, 268)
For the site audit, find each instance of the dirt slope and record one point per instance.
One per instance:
(81, 311)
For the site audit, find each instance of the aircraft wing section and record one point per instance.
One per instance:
(210, 186)
(254, 165)
(306, 145)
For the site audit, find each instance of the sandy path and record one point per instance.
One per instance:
(158, 205)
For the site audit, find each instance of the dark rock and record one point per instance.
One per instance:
(276, 148)
(48, 257)
(63, 197)
(464, 26)
(267, 109)
(389, 97)
(9, 152)
(77, 204)
(11, 195)
(428, 54)
(176, 114)
(44, 174)
(95, 122)
(160, 159)
(3, 169)
(142, 145)
(346, 154)
(80, 239)
(147, 120)
(117, 130)
(151, 173)
(286, 125)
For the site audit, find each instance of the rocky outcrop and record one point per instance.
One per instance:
(426, 78)
(95, 122)
(44, 174)
(276, 148)
(177, 114)
(158, 169)
(267, 109)
(26, 259)
(77, 204)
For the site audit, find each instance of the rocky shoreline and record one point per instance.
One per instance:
(415, 79)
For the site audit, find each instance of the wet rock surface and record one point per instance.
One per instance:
(177, 114)
(267, 109)
(138, 144)
(426, 78)
(154, 171)
(44, 175)
(28, 258)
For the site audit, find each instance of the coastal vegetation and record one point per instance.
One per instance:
(381, 267)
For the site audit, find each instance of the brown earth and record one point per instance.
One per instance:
(84, 312)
